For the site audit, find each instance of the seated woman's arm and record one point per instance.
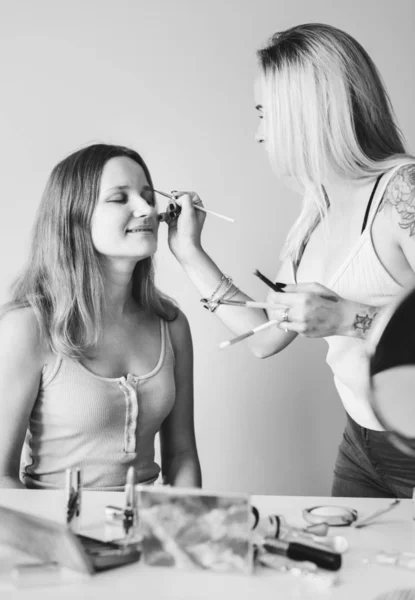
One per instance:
(179, 458)
(21, 361)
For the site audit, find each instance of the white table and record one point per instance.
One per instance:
(360, 577)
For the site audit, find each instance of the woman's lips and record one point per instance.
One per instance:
(141, 230)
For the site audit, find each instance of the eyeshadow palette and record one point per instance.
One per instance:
(52, 542)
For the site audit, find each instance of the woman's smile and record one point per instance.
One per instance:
(141, 229)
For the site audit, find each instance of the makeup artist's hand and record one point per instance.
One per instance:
(312, 310)
(186, 229)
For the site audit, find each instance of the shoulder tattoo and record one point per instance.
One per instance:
(400, 193)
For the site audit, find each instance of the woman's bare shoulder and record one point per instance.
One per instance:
(400, 194)
(180, 330)
(20, 328)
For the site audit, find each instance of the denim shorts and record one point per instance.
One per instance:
(368, 465)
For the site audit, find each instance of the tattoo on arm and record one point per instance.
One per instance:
(400, 193)
(363, 322)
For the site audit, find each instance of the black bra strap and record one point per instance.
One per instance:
(370, 203)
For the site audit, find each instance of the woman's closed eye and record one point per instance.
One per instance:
(119, 197)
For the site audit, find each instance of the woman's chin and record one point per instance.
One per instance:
(144, 250)
(143, 255)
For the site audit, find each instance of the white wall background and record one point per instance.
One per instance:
(173, 79)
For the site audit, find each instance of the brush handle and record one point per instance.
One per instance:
(277, 287)
(212, 212)
(366, 520)
(248, 334)
(249, 304)
(322, 558)
(196, 206)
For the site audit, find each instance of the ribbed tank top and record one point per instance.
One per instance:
(363, 278)
(103, 425)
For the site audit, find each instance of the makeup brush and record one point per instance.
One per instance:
(277, 287)
(197, 207)
(366, 520)
(248, 334)
(249, 304)
(320, 557)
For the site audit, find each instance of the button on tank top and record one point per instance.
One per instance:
(103, 425)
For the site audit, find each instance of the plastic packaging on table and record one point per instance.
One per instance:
(406, 560)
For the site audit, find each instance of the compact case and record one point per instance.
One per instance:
(196, 529)
(52, 542)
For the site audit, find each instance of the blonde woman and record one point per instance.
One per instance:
(328, 127)
(94, 361)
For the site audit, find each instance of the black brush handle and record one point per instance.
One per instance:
(322, 558)
(277, 287)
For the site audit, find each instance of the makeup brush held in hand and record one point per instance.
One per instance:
(248, 334)
(197, 207)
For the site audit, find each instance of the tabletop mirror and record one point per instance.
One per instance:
(391, 349)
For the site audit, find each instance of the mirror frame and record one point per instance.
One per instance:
(404, 443)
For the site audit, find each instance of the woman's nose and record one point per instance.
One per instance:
(143, 212)
(141, 208)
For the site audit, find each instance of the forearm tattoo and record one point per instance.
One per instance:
(363, 321)
(400, 193)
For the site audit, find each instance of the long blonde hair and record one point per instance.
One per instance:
(62, 281)
(325, 108)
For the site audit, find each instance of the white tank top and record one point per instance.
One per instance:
(362, 278)
(102, 424)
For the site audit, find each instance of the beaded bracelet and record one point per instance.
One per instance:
(222, 279)
(212, 302)
(212, 305)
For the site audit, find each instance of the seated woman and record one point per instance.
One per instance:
(94, 361)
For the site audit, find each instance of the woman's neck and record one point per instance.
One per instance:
(118, 288)
(340, 190)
